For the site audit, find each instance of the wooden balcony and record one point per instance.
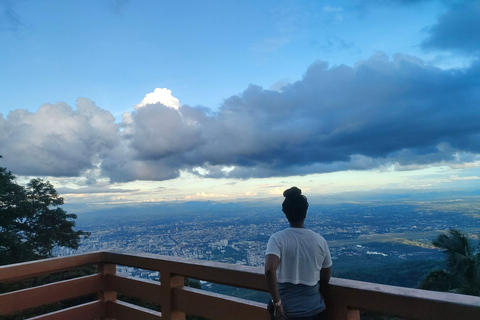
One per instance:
(345, 297)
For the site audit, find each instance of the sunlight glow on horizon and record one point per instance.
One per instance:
(314, 186)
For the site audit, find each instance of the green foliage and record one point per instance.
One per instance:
(397, 273)
(462, 274)
(436, 280)
(32, 221)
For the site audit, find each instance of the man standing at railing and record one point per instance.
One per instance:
(297, 264)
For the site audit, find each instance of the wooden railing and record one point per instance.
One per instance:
(344, 297)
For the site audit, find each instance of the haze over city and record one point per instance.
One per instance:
(131, 102)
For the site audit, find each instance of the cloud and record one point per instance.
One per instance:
(383, 112)
(93, 190)
(389, 2)
(203, 195)
(335, 11)
(455, 177)
(160, 95)
(332, 9)
(9, 19)
(56, 140)
(364, 6)
(456, 29)
(270, 45)
(156, 143)
(379, 113)
(118, 6)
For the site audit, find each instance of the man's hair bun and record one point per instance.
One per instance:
(295, 205)
(292, 192)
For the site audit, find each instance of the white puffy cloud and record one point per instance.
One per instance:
(56, 140)
(160, 95)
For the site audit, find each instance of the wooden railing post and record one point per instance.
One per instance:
(353, 314)
(167, 282)
(107, 294)
(338, 311)
(337, 308)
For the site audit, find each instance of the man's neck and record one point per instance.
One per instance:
(297, 224)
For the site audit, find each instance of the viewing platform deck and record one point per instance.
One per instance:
(344, 301)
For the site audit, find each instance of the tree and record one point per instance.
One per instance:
(462, 273)
(32, 221)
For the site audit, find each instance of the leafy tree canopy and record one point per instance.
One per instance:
(462, 257)
(32, 221)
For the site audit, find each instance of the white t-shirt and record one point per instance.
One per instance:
(302, 254)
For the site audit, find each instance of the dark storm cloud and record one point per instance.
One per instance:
(358, 118)
(457, 29)
(380, 112)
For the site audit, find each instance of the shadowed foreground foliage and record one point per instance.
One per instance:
(462, 272)
(32, 221)
(32, 224)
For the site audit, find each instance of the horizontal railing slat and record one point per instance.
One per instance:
(222, 273)
(18, 271)
(120, 310)
(217, 306)
(90, 310)
(49, 293)
(148, 290)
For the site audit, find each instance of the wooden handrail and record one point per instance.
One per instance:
(344, 299)
(24, 270)
(221, 273)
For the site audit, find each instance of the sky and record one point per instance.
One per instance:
(120, 102)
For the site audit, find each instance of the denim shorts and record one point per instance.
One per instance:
(271, 309)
